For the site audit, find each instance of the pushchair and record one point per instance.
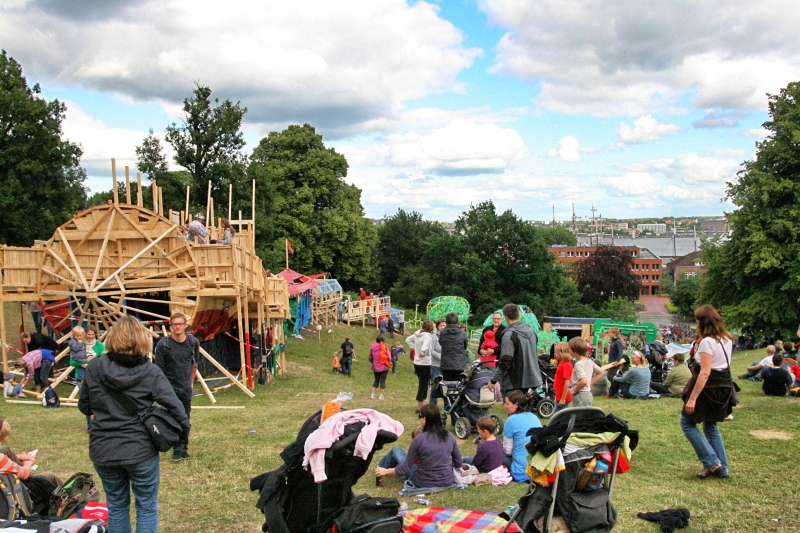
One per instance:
(580, 493)
(293, 503)
(656, 355)
(543, 400)
(468, 400)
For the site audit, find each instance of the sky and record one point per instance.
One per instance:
(638, 108)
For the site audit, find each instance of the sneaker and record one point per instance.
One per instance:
(380, 397)
(372, 396)
(708, 472)
(176, 456)
(185, 455)
(744, 376)
(757, 378)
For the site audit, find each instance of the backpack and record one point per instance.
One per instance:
(73, 495)
(15, 501)
(50, 398)
(369, 515)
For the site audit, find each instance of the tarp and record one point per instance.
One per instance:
(674, 347)
(300, 283)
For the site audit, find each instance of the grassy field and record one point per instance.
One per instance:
(210, 492)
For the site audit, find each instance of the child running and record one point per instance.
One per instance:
(563, 375)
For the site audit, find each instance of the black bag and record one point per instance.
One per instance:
(15, 501)
(588, 511)
(50, 398)
(370, 515)
(164, 430)
(73, 495)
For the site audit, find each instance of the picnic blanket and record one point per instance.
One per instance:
(447, 520)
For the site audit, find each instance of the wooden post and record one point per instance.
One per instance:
(253, 217)
(208, 200)
(248, 358)
(139, 197)
(230, 199)
(211, 224)
(127, 184)
(154, 194)
(242, 325)
(161, 201)
(186, 220)
(3, 329)
(114, 178)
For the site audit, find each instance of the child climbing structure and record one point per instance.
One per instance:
(123, 258)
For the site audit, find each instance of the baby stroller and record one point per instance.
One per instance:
(656, 355)
(468, 400)
(293, 503)
(580, 493)
(543, 400)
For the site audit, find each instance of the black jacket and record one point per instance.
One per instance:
(40, 340)
(453, 342)
(119, 437)
(498, 337)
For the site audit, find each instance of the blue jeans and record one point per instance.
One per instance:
(185, 397)
(346, 366)
(435, 392)
(396, 456)
(143, 478)
(709, 448)
(44, 372)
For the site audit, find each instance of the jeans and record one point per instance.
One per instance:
(118, 481)
(44, 372)
(37, 320)
(346, 366)
(560, 407)
(435, 392)
(395, 457)
(185, 396)
(79, 372)
(709, 448)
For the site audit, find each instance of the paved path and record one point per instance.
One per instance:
(656, 310)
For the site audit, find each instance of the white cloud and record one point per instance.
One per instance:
(645, 130)
(568, 149)
(632, 183)
(757, 133)
(340, 65)
(611, 58)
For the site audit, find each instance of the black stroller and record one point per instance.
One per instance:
(543, 400)
(468, 400)
(656, 355)
(293, 503)
(581, 493)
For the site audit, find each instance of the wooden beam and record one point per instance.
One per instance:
(135, 257)
(154, 194)
(139, 196)
(65, 242)
(105, 239)
(127, 184)
(226, 373)
(114, 180)
(186, 220)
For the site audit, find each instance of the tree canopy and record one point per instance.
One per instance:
(207, 144)
(302, 196)
(40, 174)
(605, 274)
(754, 277)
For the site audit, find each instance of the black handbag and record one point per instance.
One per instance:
(164, 430)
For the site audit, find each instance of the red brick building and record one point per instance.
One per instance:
(646, 264)
(689, 265)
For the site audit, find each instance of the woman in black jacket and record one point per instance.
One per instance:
(119, 444)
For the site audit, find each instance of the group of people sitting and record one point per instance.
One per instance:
(778, 372)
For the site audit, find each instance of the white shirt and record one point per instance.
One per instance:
(714, 347)
(197, 229)
(420, 342)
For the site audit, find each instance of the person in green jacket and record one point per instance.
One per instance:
(94, 347)
(677, 378)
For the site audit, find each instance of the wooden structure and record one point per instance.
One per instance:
(325, 299)
(368, 310)
(123, 258)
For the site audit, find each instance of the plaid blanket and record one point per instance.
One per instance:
(445, 520)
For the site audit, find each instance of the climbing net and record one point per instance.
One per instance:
(440, 306)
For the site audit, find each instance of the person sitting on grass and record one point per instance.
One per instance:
(753, 370)
(676, 380)
(515, 434)
(636, 381)
(11, 388)
(435, 448)
(489, 454)
(776, 379)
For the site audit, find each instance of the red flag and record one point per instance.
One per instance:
(289, 246)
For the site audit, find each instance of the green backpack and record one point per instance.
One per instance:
(73, 495)
(15, 501)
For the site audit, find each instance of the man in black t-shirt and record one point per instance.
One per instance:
(346, 361)
(176, 356)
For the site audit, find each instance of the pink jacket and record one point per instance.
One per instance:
(33, 360)
(333, 428)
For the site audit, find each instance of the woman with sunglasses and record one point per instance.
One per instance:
(435, 448)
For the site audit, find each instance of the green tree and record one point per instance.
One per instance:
(207, 144)
(40, 174)
(557, 235)
(401, 243)
(605, 274)
(150, 158)
(686, 293)
(619, 309)
(753, 278)
(302, 196)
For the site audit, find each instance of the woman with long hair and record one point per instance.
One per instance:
(709, 396)
(435, 448)
(519, 421)
(227, 232)
(636, 381)
(92, 341)
(420, 342)
(119, 445)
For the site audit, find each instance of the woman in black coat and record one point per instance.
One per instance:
(119, 444)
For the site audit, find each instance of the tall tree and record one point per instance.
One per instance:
(684, 296)
(302, 196)
(557, 235)
(150, 158)
(40, 174)
(754, 277)
(208, 144)
(401, 242)
(605, 274)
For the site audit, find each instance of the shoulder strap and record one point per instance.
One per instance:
(725, 352)
(123, 400)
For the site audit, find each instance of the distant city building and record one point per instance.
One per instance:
(646, 264)
(719, 225)
(689, 265)
(658, 229)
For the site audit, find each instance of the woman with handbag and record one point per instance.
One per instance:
(709, 396)
(120, 446)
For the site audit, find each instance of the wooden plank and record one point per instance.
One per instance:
(65, 242)
(217, 407)
(127, 184)
(226, 373)
(105, 240)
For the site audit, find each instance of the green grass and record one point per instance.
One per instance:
(210, 492)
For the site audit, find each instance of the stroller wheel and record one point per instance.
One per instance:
(498, 424)
(545, 408)
(462, 427)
